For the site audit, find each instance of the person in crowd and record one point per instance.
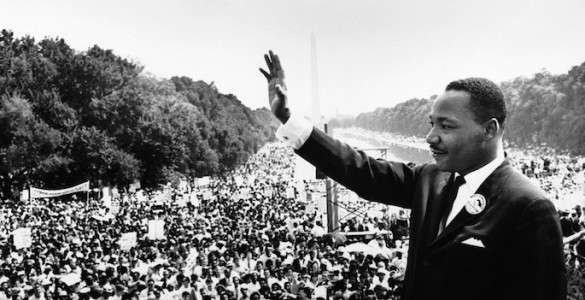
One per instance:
(478, 228)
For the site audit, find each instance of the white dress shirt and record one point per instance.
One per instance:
(295, 132)
(472, 182)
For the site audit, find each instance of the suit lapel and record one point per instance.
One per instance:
(489, 189)
(432, 218)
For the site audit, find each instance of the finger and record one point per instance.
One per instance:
(268, 77)
(273, 58)
(277, 66)
(268, 62)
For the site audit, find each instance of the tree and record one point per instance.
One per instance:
(29, 148)
(67, 115)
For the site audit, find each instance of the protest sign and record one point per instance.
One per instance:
(202, 181)
(156, 229)
(115, 193)
(239, 180)
(115, 207)
(107, 202)
(106, 193)
(207, 195)
(268, 192)
(22, 238)
(194, 199)
(181, 200)
(134, 186)
(290, 192)
(71, 279)
(140, 196)
(24, 195)
(127, 241)
(310, 208)
(251, 179)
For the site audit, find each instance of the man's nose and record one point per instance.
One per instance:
(432, 137)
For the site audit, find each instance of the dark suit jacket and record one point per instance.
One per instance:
(523, 256)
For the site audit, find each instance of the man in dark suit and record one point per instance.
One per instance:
(479, 229)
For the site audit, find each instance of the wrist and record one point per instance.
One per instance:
(284, 116)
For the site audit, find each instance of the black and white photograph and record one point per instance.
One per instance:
(292, 150)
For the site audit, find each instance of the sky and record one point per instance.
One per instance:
(370, 53)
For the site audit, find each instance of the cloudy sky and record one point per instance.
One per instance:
(371, 53)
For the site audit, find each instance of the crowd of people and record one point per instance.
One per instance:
(251, 234)
(560, 175)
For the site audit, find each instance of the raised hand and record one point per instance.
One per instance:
(276, 87)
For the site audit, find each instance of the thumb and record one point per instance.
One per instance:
(281, 91)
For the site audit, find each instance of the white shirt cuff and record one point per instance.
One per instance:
(295, 132)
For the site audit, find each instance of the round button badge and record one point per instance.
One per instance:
(475, 204)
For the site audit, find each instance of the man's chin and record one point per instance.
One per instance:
(443, 166)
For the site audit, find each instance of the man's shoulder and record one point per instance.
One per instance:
(520, 184)
(522, 193)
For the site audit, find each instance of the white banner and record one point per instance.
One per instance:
(22, 238)
(39, 193)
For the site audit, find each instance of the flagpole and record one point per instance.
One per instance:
(87, 202)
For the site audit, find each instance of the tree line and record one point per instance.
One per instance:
(68, 116)
(543, 110)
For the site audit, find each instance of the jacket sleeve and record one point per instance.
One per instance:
(372, 179)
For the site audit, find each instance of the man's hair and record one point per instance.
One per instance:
(486, 98)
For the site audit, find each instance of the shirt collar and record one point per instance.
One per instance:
(474, 179)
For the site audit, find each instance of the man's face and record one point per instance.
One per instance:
(456, 139)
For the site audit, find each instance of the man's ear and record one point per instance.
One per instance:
(492, 128)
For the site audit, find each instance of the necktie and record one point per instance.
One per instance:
(448, 201)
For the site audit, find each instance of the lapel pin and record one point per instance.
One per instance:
(475, 204)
